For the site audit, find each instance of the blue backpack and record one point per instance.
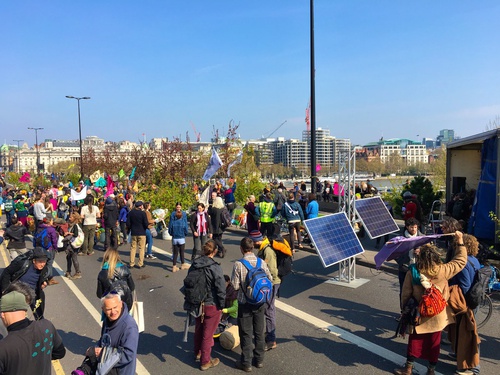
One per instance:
(42, 239)
(259, 289)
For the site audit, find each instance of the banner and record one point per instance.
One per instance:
(77, 196)
(213, 166)
(236, 161)
(95, 176)
(204, 196)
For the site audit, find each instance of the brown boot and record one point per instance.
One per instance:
(406, 370)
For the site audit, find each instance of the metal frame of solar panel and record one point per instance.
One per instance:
(334, 238)
(375, 217)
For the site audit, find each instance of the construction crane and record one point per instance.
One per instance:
(275, 130)
(197, 135)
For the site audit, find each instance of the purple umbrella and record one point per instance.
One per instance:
(401, 245)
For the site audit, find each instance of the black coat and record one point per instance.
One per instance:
(137, 222)
(104, 284)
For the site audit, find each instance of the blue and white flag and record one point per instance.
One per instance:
(235, 161)
(213, 166)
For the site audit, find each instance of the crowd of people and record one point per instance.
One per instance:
(73, 225)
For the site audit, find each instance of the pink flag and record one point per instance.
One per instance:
(110, 185)
(318, 167)
(25, 178)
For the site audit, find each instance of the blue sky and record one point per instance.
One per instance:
(397, 69)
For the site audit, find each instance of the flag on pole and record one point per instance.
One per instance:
(95, 176)
(121, 174)
(213, 165)
(204, 196)
(25, 178)
(308, 116)
(78, 196)
(110, 186)
(235, 161)
(132, 174)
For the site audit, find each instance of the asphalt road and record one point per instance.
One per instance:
(321, 327)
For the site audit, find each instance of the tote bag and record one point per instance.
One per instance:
(137, 312)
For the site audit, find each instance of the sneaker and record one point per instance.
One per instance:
(68, 275)
(184, 266)
(242, 367)
(464, 372)
(151, 256)
(81, 253)
(77, 275)
(91, 253)
(213, 362)
(53, 282)
(175, 269)
(270, 345)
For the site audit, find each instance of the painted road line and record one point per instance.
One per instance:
(140, 369)
(57, 367)
(339, 332)
(348, 336)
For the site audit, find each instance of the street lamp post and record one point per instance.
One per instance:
(18, 141)
(37, 148)
(79, 131)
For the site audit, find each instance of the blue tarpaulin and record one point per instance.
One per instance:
(480, 223)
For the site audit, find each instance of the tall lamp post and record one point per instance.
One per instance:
(18, 165)
(79, 131)
(313, 102)
(37, 148)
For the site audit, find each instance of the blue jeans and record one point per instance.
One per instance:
(149, 242)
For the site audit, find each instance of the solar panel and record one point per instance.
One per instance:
(375, 217)
(334, 238)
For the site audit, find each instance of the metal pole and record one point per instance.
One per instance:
(80, 135)
(37, 149)
(79, 132)
(18, 141)
(313, 104)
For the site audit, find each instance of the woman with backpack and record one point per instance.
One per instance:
(429, 275)
(115, 277)
(207, 323)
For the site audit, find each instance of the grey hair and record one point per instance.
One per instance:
(218, 203)
(110, 296)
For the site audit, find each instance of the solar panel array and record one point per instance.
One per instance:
(334, 238)
(375, 217)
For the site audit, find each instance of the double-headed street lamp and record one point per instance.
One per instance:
(18, 165)
(80, 131)
(37, 148)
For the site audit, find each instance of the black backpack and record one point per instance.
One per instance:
(195, 288)
(475, 294)
(225, 220)
(121, 287)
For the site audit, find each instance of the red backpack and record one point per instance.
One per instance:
(432, 302)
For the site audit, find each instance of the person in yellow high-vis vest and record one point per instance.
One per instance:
(266, 211)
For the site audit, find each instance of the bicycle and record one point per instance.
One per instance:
(485, 308)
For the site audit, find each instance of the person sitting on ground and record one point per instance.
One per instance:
(230, 310)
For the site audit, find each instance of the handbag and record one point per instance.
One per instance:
(137, 312)
(77, 241)
(109, 356)
(153, 231)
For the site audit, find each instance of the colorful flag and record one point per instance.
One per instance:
(95, 176)
(26, 177)
(400, 245)
(132, 174)
(213, 165)
(308, 116)
(318, 167)
(235, 161)
(110, 186)
(121, 174)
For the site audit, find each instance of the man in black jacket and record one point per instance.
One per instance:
(30, 268)
(111, 213)
(30, 345)
(137, 221)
